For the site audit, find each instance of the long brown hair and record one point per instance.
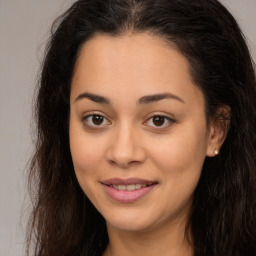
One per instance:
(223, 220)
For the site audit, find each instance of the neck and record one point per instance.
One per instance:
(164, 241)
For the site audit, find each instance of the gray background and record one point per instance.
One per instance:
(24, 27)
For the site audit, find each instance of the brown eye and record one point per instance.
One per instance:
(158, 120)
(97, 119)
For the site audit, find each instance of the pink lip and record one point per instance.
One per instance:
(125, 196)
(117, 181)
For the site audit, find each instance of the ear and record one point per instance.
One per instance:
(218, 130)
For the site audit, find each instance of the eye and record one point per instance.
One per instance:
(95, 120)
(159, 121)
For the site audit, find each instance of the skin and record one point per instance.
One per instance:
(129, 144)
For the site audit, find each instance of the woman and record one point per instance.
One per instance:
(146, 145)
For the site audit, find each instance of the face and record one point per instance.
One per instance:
(138, 133)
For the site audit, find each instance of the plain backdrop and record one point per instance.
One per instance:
(24, 27)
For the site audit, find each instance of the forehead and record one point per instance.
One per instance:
(138, 63)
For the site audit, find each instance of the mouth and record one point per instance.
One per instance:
(129, 190)
(130, 187)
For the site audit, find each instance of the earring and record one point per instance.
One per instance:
(216, 151)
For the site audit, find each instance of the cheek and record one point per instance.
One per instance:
(86, 153)
(87, 157)
(182, 153)
(179, 159)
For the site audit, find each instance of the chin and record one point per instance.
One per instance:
(129, 225)
(133, 221)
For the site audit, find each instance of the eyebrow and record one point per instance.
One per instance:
(93, 97)
(143, 100)
(157, 97)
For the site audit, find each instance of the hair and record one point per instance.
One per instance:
(223, 217)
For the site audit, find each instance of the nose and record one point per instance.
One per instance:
(125, 149)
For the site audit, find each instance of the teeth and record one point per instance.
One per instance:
(138, 186)
(130, 187)
(115, 186)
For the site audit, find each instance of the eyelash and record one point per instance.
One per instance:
(167, 121)
(85, 120)
(90, 124)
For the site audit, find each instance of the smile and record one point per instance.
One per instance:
(127, 191)
(129, 187)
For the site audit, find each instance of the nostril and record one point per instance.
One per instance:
(125, 155)
(112, 162)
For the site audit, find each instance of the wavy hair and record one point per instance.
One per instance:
(223, 219)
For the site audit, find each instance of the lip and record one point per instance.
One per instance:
(118, 181)
(125, 196)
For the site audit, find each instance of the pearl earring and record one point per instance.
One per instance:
(216, 151)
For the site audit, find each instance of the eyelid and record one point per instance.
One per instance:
(91, 114)
(169, 119)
